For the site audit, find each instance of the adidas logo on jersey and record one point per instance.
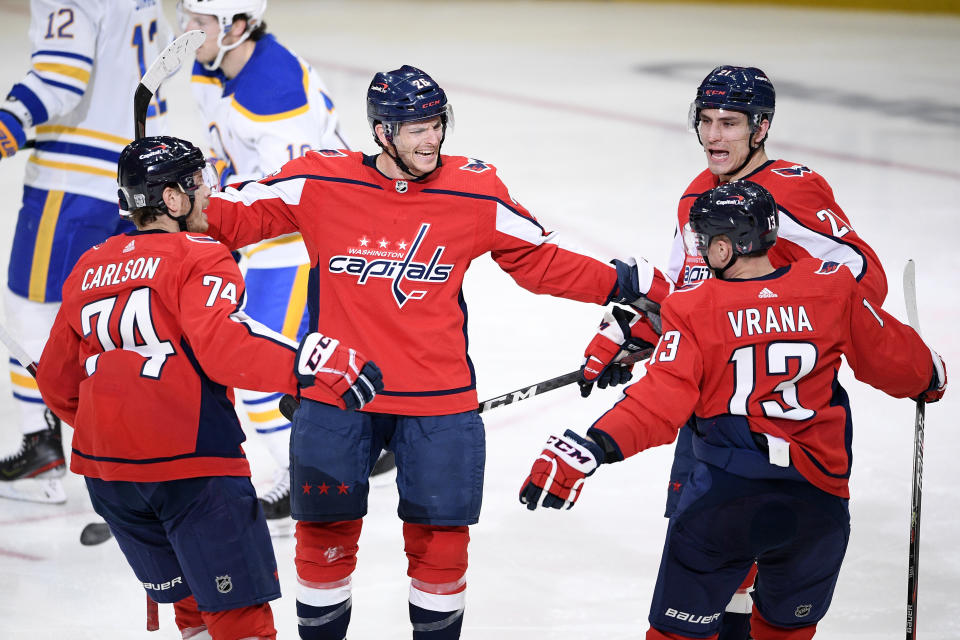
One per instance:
(129, 247)
(766, 293)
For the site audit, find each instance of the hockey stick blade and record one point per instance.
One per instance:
(18, 352)
(913, 557)
(166, 64)
(95, 533)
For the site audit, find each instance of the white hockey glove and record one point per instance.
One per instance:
(938, 384)
(350, 376)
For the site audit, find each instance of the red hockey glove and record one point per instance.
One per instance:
(622, 333)
(938, 384)
(348, 374)
(558, 473)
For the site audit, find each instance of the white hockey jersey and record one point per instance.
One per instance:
(86, 61)
(274, 110)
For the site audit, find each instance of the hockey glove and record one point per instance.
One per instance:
(558, 473)
(12, 136)
(938, 383)
(622, 333)
(350, 376)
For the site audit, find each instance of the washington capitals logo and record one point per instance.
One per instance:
(395, 265)
(477, 166)
(795, 171)
(828, 268)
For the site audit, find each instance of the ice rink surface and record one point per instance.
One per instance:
(582, 108)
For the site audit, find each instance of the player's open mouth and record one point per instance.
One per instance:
(718, 155)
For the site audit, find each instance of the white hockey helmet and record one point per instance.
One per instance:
(224, 10)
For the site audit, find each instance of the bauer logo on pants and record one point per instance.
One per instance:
(224, 584)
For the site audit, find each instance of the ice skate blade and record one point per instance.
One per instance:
(43, 489)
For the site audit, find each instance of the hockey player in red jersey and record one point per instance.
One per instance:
(731, 115)
(753, 354)
(149, 340)
(390, 237)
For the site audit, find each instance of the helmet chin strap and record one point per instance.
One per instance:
(181, 220)
(719, 271)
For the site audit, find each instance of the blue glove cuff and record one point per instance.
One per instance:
(14, 126)
(589, 445)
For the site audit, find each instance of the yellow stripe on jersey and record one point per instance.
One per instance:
(275, 242)
(283, 115)
(70, 166)
(298, 302)
(26, 382)
(64, 70)
(43, 245)
(78, 131)
(206, 80)
(265, 416)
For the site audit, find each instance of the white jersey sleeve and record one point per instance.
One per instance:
(87, 57)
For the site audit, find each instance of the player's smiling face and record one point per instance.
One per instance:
(726, 140)
(418, 144)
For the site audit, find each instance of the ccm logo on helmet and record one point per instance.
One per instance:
(427, 105)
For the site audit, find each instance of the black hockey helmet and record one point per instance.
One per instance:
(744, 89)
(406, 94)
(743, 211)
(150, 164)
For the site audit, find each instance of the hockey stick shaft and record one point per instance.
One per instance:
(166, 64)
(913, 558)
(289, 404)
(18, 352)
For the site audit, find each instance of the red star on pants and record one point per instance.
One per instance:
(343, 488)
(323, 488)
(675, 486)
(306, 488)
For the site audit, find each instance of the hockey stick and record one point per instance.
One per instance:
(166, 64)
(913, 558)
(94, 532)
(289, 404)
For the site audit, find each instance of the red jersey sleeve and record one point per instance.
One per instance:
(253, 211)
(536, 260)
(653, 409)
(232, 348)
(58, 374)
(884, 352)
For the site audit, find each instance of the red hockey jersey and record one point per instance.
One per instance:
(390, 256)
(769, 349)
(812, 224)
(144, 349)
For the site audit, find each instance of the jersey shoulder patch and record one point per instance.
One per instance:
(476, 166)
(793, 171)
(828, 267)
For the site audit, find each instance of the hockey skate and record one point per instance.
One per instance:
(276, 505)
(33, 473)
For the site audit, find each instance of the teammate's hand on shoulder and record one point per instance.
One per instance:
(350, 376)
(938, 384)
(622, 333)
(559, 472)
(12, 135)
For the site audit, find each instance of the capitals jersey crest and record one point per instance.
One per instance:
(477, 166)
(796, 171)
(400, 265)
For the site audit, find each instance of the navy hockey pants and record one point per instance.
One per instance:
(796, 533)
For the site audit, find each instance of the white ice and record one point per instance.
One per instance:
(551, 94)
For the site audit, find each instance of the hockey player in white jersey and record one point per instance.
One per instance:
(265, 106)
(87, 56)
